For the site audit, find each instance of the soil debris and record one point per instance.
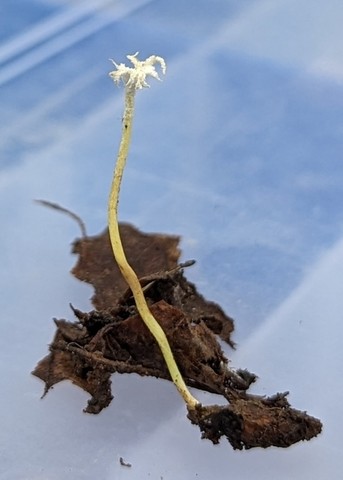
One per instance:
(113, 339)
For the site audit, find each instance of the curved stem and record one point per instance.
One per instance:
(125, 268)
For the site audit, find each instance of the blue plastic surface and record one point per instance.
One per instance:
(239, 151)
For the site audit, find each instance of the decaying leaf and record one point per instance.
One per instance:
(113, 339)
(146, 253)
(151, 256)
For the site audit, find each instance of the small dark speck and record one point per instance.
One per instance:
(123, 463)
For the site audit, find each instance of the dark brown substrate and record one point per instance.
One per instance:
(113, 339)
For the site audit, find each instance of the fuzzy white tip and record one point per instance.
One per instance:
(135, 77)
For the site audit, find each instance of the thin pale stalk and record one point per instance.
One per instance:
(120, 257)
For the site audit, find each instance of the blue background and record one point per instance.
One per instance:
(238, 150)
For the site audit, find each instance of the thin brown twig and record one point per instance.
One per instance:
(71, 214)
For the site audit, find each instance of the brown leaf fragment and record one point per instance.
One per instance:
(63, 364)
(146, 253)
(125, 345)
(113, 339)
(153, 257)
(87, 352)
(175, 289)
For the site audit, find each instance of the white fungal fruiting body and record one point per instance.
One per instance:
(135, 77)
